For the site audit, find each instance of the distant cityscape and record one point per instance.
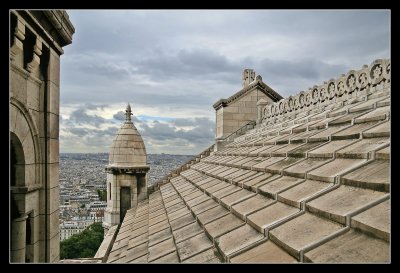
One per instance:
(83, 181)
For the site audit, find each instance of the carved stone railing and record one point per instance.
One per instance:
(346, 88)
(156, 185)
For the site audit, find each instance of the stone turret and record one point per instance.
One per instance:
(126, 172)
(249, 75)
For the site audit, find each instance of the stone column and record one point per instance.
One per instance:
(18, 237)
(260, 105)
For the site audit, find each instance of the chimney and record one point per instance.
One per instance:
(249, 76)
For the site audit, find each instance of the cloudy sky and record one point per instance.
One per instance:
(171, 66)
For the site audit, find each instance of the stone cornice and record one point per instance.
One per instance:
(257, 84)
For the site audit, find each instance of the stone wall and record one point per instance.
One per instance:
(37, 39)
(342, 90)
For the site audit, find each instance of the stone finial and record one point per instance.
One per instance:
(128, 113)
(248, 76)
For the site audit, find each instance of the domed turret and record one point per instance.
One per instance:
(126, 172)
(127, 149)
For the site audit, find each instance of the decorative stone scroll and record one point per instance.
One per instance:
(349, 85)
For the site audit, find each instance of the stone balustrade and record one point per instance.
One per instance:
(344, 89)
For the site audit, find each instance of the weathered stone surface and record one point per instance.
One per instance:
(169, 258)
(301, 168)
(222, 225)
(246, 207)
(226, 191)
(182, 221)
(383, 153)
(211, 214)
(335, 205)
(360, 149)
(159, 236)
(351, 247)
(209, 256)
(267, 252)
(236, 197)
(278, 185)
(375, 220)
(302, 231)
(269, 161)
(263, 218)
(206, 205)
(161, 249)
(329, 171)
(238, 239)
(375, 176)
(187, 232)
(193, 246)
(382, 130)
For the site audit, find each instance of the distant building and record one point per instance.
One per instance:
(36, 41)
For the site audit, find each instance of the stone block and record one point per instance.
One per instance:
(33, 95)
(53, 98)
(53, 150)
(208, 256)
(222, 225)
(159, 250)
(54, 68)
(193, 246)
(18, 86)
(160, 236)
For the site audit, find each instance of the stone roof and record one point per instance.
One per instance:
(258, 83)
(127, 150)
(309, 184)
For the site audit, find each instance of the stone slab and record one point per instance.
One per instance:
(159, 236)
(351, 247)
(169, 258)
(272, 188)
(238, 239)
(302, 231)
(381, 130)
(211, 215)
(280, 165)
(329, 171)
(248, 206)
(159, 250)
(222, 225)
(206, 205)
(294, 196)
(301, 168)
(374, 176)
(210, 256)
(267, 252)
(193, 246)
(335, 205)
(187, 232)
(236, 197)
(360, 149)
(375, 221)
(264, 218)
(225, 191)
(182, 221)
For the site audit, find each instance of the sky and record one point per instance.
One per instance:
(172, 66)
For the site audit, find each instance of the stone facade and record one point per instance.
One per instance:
(36, 41)
(126, 173)
(241, 108)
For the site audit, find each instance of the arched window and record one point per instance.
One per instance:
(17, 162)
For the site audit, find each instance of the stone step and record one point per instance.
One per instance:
(295, 235)
(337, 204)
(354, 131)
(263, 219)
(294, 196)
(274, 187)
(222, 225)
(330, 148)
(362, 148)
(237, 239)
(330, 170)
(248, 206)
(374, 221)
(378, 114)
(235, 198)
(301, 168)
(266, 252)
(208, 256)
(282, 164)
(381, 130)
(193, 246)
(351, 247)
(374, 175)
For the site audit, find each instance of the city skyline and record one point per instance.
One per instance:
(171, 66)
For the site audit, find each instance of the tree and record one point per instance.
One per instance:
(84, 244)
(102, 195)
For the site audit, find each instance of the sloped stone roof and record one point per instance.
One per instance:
(310, 184)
